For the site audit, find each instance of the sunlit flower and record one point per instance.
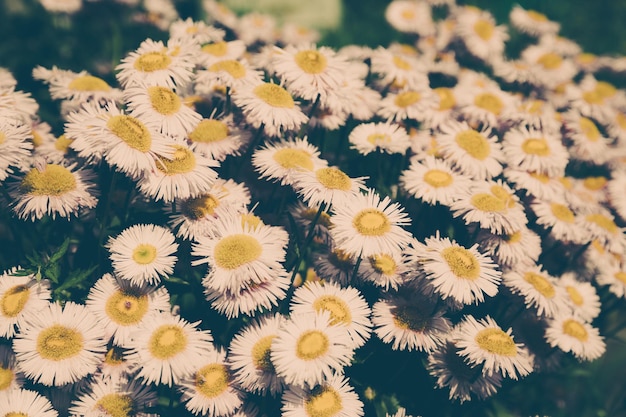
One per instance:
(23, 402)
(572, 334)
(387, 137)
(109, 397)
(480, 34)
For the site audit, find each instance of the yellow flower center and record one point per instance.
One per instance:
(233, 251)
(323, 402)
(438, 178)
(311, 345)
(489, 102)
(574, 295)
(132, 131)
(57, 343)
(592, 97)
(488, 202)
(164, 100)
(6, 377)
(88, 83)
(589, 128)
(550, 61)
(536, 146)
(338, 309)
(114, 356)
(621, 120)
(446, 98)
(407, 98)
(126, 308)
(484, 29)
(152, 61)
(503, 195)
(401, 63)
(595, 183)
(37, 138)
(261, 353)
(496, 341)
(410, 317)
(620, 276)
(383, 264)
(514, 237)
(182, 162)
(408, 14)
(311, 61)
(54, 180)
(379, 139)
(274, 95)
(62, 144)
(540, 283)
(144, 253)
(212, 380)
(606, 90)
(371, 222)
(462, 262)
(575, 329)
(216, 49)
(334, 179)
(115, 405)
(536, 16)
(199, 207)
(250, 220)
(293, 158)
(540, 177)
(474, 144)
(209, 131)
(14, 300)
(15, 414)
(562, 212)
(603, 221)
(231, 66)
(167, 341)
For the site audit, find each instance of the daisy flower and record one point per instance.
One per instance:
(535, 150)
(480, 34)
(474, 153)
(601, 225)
(560, 220)
(108, 397)
(368, 225)
(23, 402)
(116, 365)
(536, 184)
(483, 342)
(613, 275)
(595, 99)
(210, 389)
(410, 17)
(463, 274)
(333, 264)
(227, 73)
(143, 253)
(550, 67)
(77, 86)
(249, 355)
(410, 323)
(220, 13)
(484, 106)
(167, 348)
(584, 300)
(121, 307)
(256, 27)
(616, 195)
(217, 138)
(15, 146)
(398, 70)
(298, 34)
(586, 142)
(414, 104)
(10, 376)
(532, 22)
(520, 246)
(269, 107)
(199, 32)
(386, 137)
(572, 334)
(333, 397)
(308, 349)
(221, 51)
(20, 295)
(53, 189)
(327, 185)
(385, 270)
(60, 345)
(443, 112)
(18, 105)
(54, 152)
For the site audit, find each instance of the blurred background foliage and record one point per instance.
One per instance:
(97, 37)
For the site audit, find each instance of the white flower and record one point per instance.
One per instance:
(572, 334)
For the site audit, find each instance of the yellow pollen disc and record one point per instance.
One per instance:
(586, 58)
(603, 221)
(592, 97)
(408, 14)
(407, 98)
(182, 162)
(54, 180)
(324, 402)
(231, 66)
(534, 107)
(233, 251)
(209, 131)
(340, 259)
(251, 221)
(274, 95)
(474, 144)
(566, 182)
(536, 146)
(216, 49)
(261, 353)
(334, 179)
(488, 202)
(212, 380)
(575, 329)
(152, 61)
(115, 405)
(605, 90)
(621, 120)
(164, 100)
(383, 264)
(37, 138)
(540, 177)
(339, 310)
(620, 276)
(57, 343)
(311, 345)
(401, 63)
(496, 341)
(595, 183)
(371, 222)
(293, 158)
(125, 308)
(536, 16)
(144, 253)
(562, 212)
(409, 317)
(88, 83)
(14, 300)
(446, 98)
(6, 377)
(379, 139)
(114, 356)
(166, 341)
(489, 102)
(514, 237)
(132, 131)
(15, 414)
(540, 283)
(550, 60)
(574, 295)
(311, 61)
(62, 144)
(503, 195)
(484, 29)
(199, 207)
(590, 129)
(462, 262)
(438, 178)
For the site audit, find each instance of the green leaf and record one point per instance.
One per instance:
(175, 280)
(52, 272)
(56, 256)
